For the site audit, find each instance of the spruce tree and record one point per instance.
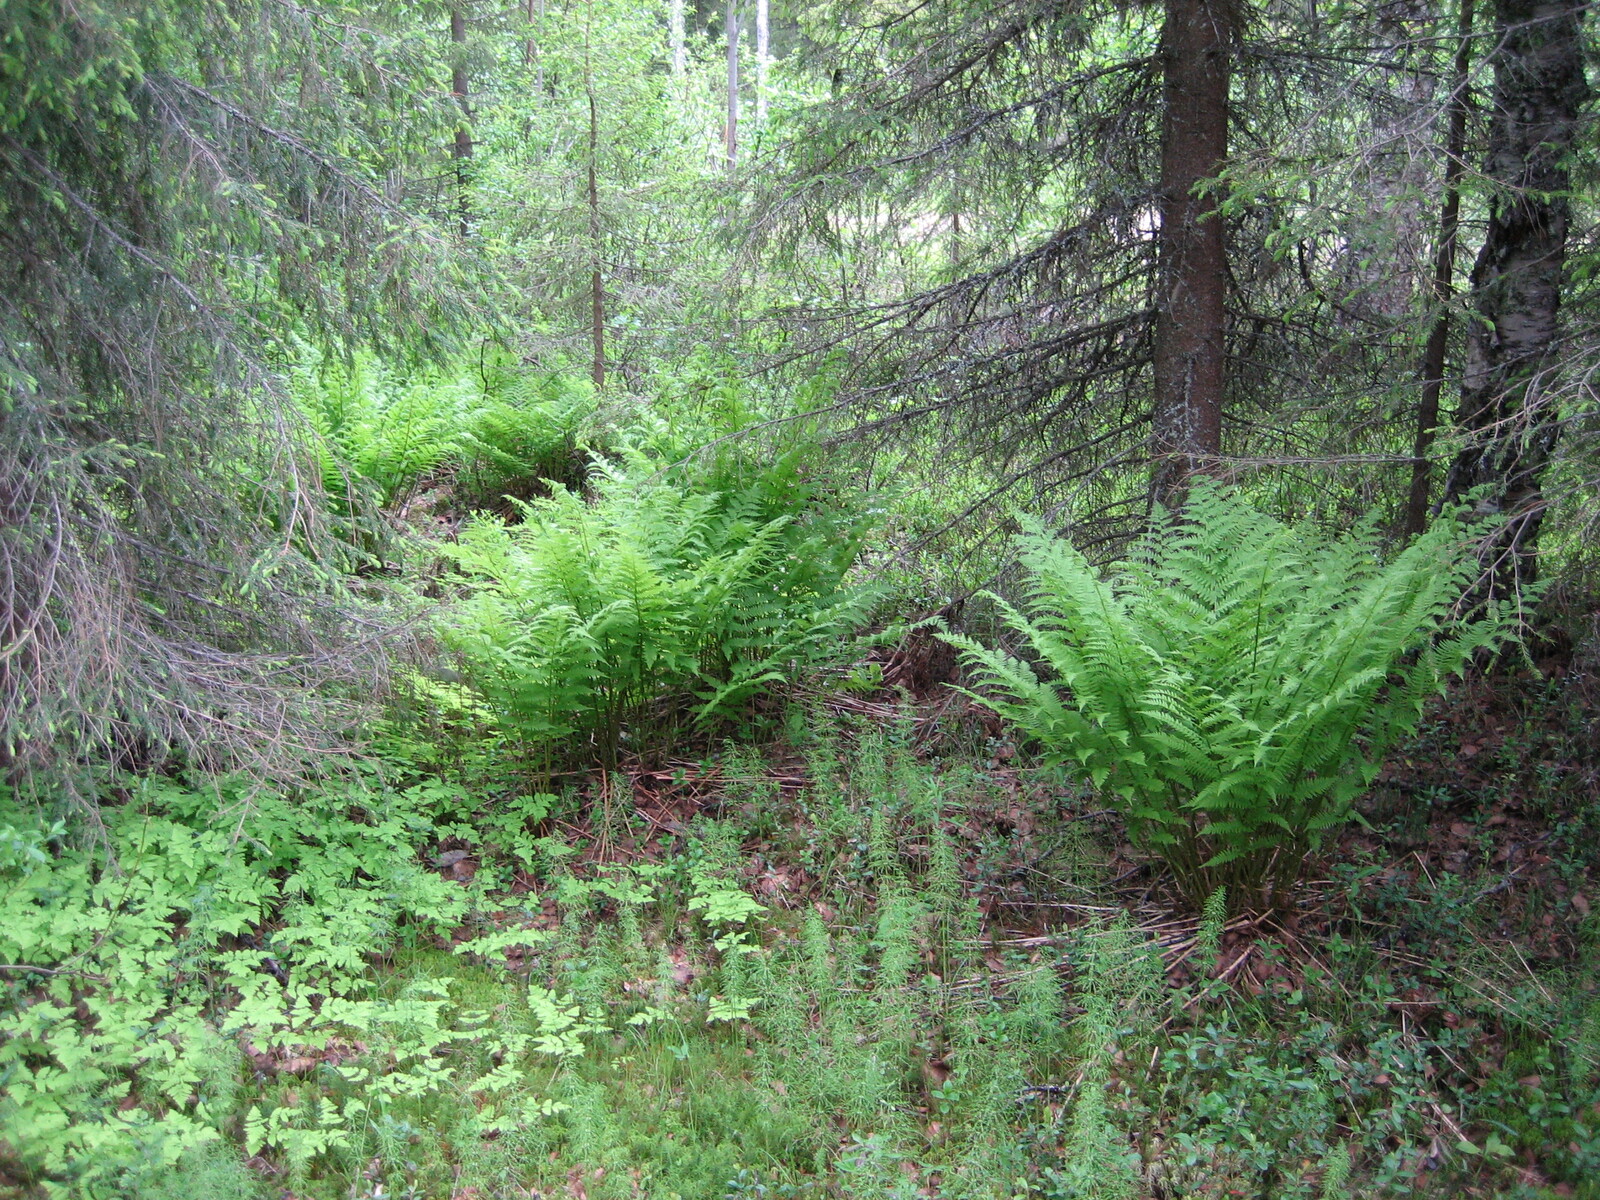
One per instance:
(184, 184)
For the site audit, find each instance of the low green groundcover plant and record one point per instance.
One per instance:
(1236, 682)
(211, 920)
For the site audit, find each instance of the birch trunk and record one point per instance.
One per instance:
(680, 51)
(731, 129)
(762, 42)
(1508, 412)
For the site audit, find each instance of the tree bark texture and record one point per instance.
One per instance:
(597, 286)
(730, 141)
(1507, 413)
(1431, 374)
(763, 42)
(533, 11)
(680, 51)
(1190, 349)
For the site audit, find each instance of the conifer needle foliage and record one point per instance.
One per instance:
(1237, 681)
(184, 184)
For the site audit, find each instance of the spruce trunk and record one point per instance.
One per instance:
(461, 149)
(1433, 354)
(1190, 350)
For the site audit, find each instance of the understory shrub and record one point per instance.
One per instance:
(650, 606)
(1236, 682)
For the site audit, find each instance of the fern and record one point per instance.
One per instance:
(1236, 684)
(496, 427)
(651, 608)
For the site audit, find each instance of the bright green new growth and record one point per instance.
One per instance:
(1236, 683)
(652, 607)
(492, 425)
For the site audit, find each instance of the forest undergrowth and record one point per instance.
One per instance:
(615, 601)
(873, 953)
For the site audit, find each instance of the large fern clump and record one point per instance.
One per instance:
(652, 607)
(1236, 683)
(381, 432)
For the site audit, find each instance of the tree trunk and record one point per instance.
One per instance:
(1433, 354)
(461, 151)
(763, 40)
(534, 10)
(1190, 350)
(958, 197)
(731, 131)
(1507, 412)
(597, 290)
(680, 51)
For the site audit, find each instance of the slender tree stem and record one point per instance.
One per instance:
(731, 129)
(762, 43)
(597, 291)
(1433, 354)
(461, 150)
(1190, 350)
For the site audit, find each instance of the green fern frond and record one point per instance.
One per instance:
(1237, 680)
(689, 604)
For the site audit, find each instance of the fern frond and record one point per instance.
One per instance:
(1236, 682)
(684, 604)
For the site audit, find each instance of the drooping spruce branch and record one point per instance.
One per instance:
(184, 187)
(1008, 154)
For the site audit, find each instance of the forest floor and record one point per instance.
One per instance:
(1424, 1016)
(881, 955)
